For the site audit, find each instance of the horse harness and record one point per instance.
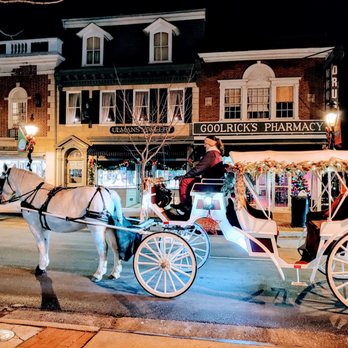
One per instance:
(104, 215)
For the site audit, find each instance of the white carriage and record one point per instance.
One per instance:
(171, 250)
(258, 234)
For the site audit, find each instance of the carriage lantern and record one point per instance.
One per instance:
(30, 130)
(331, 119)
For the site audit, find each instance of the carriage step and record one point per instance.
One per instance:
(297, 267)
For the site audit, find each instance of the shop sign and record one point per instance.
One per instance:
(141, 129)
(261, 128)
(331, 86)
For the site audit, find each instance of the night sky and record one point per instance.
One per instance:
(244, 24)
(230, 25)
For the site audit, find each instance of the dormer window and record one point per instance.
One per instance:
(93, 51)
(160, 47)
(93, 38)
(161, 41)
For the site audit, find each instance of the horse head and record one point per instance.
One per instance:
(6, 190)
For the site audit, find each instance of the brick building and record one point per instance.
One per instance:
(28, 94)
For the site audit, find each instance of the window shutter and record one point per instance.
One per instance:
(163, 101)
(188, 105)
(85, 107)
(129, 106)
(94, 107)
(120, 106)
(62, 108)
(153, 105)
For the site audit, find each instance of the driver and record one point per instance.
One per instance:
(210, 166)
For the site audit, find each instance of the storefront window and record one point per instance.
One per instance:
(168, 176)
(121, 177)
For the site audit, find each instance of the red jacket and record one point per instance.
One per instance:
(210, 166)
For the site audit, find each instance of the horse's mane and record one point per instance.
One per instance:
(26, 173)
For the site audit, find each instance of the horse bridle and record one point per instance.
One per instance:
(4, 179)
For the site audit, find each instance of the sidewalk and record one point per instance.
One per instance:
(26, 328)
(123, 332)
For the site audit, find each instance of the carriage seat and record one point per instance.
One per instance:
(258, 213)
(339, 212)
(206, 187)
(252, 224)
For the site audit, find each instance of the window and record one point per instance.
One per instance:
(73, 114)
(284, 102)
(259, 95)
(75, 168)
(161, 48)
(93, 38)
(17, 102)
(108, 107)
(161, 40)
(176, 105)
(258, 103)
(93, 51)
(141, 106)
(232, 105)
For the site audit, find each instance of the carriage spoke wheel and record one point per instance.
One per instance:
(165, 265)
(199, 241)
(337, 269)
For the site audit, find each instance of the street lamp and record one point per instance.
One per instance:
(331, 119)
(30, 131)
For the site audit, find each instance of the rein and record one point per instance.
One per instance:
(17, 198)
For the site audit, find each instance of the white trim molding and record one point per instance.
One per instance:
(289, 53)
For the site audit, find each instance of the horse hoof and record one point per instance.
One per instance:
(95, 280)
(39, 271)
(113, 277)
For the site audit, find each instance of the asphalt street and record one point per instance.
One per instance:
(230, 290)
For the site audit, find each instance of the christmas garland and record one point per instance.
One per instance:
(256, 169)
(268, 165)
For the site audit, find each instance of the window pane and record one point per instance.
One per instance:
(93, 50)
(284, 110)
(285, 94)
(258, 103)
(176, 105)
(232, 103)
(161, 49)
(141, 106)
(108, 108)
(74, 108)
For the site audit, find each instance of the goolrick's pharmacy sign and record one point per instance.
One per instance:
(314, 127)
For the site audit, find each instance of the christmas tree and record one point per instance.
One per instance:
(299, 183)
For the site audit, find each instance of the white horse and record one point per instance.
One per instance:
(91, 204)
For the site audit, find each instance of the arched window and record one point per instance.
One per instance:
(17, 107)
(75, 168)
(259, 95)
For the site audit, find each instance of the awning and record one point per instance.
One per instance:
(173, 152)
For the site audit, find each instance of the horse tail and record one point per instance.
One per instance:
(117, 213)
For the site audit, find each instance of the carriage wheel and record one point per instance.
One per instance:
(165, 265)
(337, 269)
(199, 241)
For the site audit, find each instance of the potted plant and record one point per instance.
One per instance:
(299, 200)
